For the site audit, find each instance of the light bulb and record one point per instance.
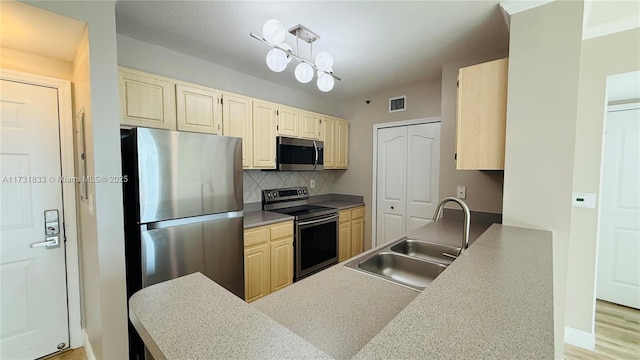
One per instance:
(325, 82)
(324, 60)
(304, 73)
(273, 31)
(277, 60)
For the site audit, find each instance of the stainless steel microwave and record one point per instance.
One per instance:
(299, 154)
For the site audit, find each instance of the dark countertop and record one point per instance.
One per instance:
(260, 217)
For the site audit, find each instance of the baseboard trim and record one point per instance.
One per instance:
(88, 351)
(579, 338)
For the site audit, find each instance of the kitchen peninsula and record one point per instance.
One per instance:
(494, 302)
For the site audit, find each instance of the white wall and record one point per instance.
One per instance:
(105, 302)
(602, 56)
(423, 100)
(154, 59)
(544, 64)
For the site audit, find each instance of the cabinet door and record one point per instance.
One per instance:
(264, 135)
(481, 116)
(311, 124)
(329, 132)
(342, 144)
(344, 241)
(357, 236)
(281, 263)
(146, 101)
(198, 109)
(289, 121)
(236, 121)
(257, 279)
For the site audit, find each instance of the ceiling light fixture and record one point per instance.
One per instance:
(273, 34)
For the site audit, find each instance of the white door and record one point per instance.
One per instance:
(391, 183)
(33, 295)
(408, 163)
(619, 244)
(423, 171)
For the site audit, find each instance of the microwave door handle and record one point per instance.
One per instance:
(315, 148)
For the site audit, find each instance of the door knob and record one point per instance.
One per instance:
(392, 208)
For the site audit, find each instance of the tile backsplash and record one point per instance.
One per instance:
(254, 181)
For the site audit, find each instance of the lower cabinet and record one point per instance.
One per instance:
(350, 233)
(268, 259)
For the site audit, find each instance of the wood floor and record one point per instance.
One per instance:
(75, 354)
(617, 334)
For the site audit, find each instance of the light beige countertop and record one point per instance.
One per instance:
(494, 302)
(192, 317)
(338, 310)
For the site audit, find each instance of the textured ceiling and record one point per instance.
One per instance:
(375, 44)
(30, 29)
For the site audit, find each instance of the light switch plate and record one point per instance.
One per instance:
(584, 200)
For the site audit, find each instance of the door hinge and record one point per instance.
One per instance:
(220, 101)
(455, 156)
(277, 112)
(320, 121)
(277, 127)
(458, 83)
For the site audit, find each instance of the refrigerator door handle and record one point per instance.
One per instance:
(190, 220)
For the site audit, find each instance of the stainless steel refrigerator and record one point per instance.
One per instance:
(183, 210)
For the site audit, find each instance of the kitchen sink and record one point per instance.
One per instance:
(412, 272)
(426, 250)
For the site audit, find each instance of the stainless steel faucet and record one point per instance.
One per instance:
(467, 220)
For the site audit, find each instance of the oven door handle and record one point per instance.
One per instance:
(315, 148)
(302, 223)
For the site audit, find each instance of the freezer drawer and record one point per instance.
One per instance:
(213, 248)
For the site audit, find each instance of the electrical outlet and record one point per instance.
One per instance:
(462, 192)
(312, 183)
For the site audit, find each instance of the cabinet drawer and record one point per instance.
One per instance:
(256, 236)
(345, 215)
(281, 230)
(357, 213)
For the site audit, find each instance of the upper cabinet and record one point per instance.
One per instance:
(198, 109)
(311, 125)
(264, 135)
(146, 100)
(237, 120)
(289, 120)
(481, 116)
(154, 101)
(336, 143)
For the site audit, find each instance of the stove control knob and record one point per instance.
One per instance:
(299, 192)
(275, 194)
(304, 191)
(269, 195)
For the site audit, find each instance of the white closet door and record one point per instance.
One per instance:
(391, 183)
(619, 243)
(423, 171)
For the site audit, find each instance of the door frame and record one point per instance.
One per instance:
(72, 261)
(374, 177)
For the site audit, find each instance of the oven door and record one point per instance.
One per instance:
(316, 245)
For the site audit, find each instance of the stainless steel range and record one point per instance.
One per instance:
(315, 245)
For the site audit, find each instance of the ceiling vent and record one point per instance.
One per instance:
(398, 104)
